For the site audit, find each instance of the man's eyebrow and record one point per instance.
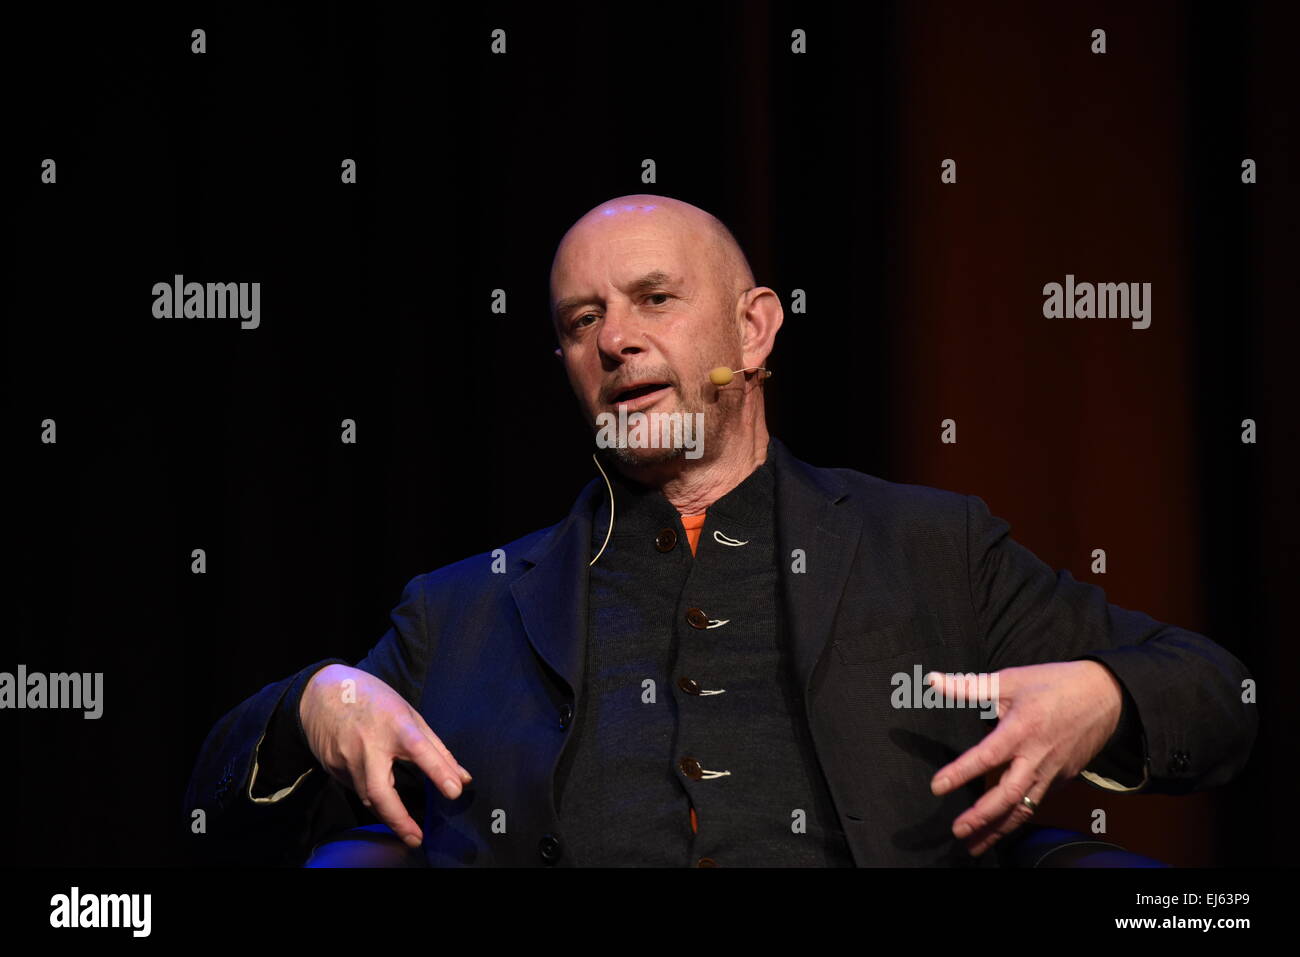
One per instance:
(651, 280)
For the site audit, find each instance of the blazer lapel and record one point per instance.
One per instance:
(807, 519)
(552, 594)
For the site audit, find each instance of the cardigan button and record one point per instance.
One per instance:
(566, 715)
(550, 849)
(691, 768)
(697, 619)
(689, 685)
(666, 540)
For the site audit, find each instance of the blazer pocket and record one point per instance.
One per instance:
(910, 637)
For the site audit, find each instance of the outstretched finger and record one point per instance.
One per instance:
(442, 748)
(378, 794)
(1001, 801)
(1016, 817)
(438, 764)
(997, 748)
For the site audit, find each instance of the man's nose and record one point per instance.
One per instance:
(621, 332)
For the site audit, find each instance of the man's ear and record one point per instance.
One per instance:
(762, 318)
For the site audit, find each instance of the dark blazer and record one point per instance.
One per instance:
(894, 577)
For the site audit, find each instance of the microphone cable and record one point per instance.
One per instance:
(611, 509)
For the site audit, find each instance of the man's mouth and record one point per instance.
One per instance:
(637, 391)
(640, 395)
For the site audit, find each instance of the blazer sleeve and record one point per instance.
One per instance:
(1184, 726)
(225, 822)
(263, 796)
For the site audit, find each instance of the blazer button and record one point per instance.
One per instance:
(666, 540)
(691, 768)
(689, 685)
(706, 862)
(550, 849)
(566, 715)
(697, 619)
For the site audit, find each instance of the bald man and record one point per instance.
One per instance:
(717, 659)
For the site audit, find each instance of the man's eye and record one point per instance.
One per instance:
(578, 323)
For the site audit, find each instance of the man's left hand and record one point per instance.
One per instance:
(1052, 720)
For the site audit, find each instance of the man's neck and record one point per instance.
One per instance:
(692, 487)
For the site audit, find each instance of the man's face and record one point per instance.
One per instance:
(641, 319)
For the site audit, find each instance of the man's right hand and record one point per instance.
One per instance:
(356, 726)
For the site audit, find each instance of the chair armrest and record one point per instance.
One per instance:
(373, 845)
(1057, 847)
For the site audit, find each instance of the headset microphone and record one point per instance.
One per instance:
(722, 375)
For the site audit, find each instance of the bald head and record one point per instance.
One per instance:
(648, 295)
(696, 236)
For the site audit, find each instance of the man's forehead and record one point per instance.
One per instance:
(620, 268)
(620, 259)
